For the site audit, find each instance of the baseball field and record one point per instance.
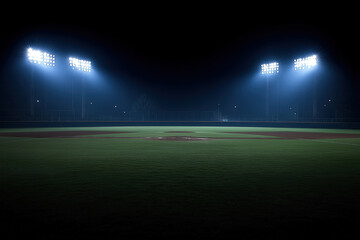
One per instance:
(179, 182)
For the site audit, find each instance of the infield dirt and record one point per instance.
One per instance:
(268, 135)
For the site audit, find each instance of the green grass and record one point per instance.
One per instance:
(99, 187)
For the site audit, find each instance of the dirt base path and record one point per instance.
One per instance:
(265, 135)
(302, 135)
(54, 134)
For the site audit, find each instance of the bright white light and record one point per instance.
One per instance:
(80, 65)
(305, 63)
(270, 68)
(42, 58)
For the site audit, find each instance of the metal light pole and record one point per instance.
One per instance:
(267, 98)
(82, 98)
(315, 98)
(32, 94)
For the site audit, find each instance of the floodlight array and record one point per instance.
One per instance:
(42, 58)
(305, 63)
(80, 65)
(270, 68)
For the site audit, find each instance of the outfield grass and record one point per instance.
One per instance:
(89, 188)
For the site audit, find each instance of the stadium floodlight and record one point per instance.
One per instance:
(305, 63)
(42, 58)
(81, 65)
(270, 68)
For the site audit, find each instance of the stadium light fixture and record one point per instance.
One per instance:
(270, 68)
(81, 65)
(39, 57)
(305, 63)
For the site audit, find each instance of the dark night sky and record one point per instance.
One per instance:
(181, 64)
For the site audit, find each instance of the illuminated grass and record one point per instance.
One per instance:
(95, 187)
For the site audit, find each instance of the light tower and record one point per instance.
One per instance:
(307, 63)
(268, 69)
(83, 66)
(40, 58)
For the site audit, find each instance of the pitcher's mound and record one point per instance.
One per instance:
(179, 132)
